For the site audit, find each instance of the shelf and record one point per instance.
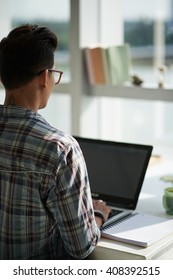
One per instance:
(60, 88)
(131, 92)
(63, 88)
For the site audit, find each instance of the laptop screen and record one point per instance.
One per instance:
(116, 170)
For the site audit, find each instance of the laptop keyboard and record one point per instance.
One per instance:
(114, 212)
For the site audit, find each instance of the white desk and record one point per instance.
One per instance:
(150, 201)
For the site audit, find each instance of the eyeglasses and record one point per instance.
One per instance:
(57, 75)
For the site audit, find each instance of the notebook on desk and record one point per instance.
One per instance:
(116, 172)
(139, 229)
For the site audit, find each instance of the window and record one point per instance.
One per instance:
(56, 15)
(53, 13)
(117, 119)
(148, 28)
(132, 120)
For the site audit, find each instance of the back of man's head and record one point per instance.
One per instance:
(24, 53)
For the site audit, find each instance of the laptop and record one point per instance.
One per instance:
(116, 173)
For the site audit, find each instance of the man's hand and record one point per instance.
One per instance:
(101, 206)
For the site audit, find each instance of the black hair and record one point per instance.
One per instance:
(24, 53)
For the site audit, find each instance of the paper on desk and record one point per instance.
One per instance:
(140, 229)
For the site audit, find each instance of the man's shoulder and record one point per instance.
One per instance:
(56, 136)
(61, 138)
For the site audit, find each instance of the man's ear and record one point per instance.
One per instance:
(43, 78)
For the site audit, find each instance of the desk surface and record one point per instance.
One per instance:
(150, 201)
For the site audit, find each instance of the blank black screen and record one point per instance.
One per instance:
(115, 169)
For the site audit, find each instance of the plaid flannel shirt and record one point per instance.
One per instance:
(46, 208)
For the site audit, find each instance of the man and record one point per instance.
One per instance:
(46, 210)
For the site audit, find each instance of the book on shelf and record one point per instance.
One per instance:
(96, 65)
(139, 229)
(107, 65)
(118, 60)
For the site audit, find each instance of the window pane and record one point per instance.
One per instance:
(53, 13)
(148, 28)
(137, 121)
